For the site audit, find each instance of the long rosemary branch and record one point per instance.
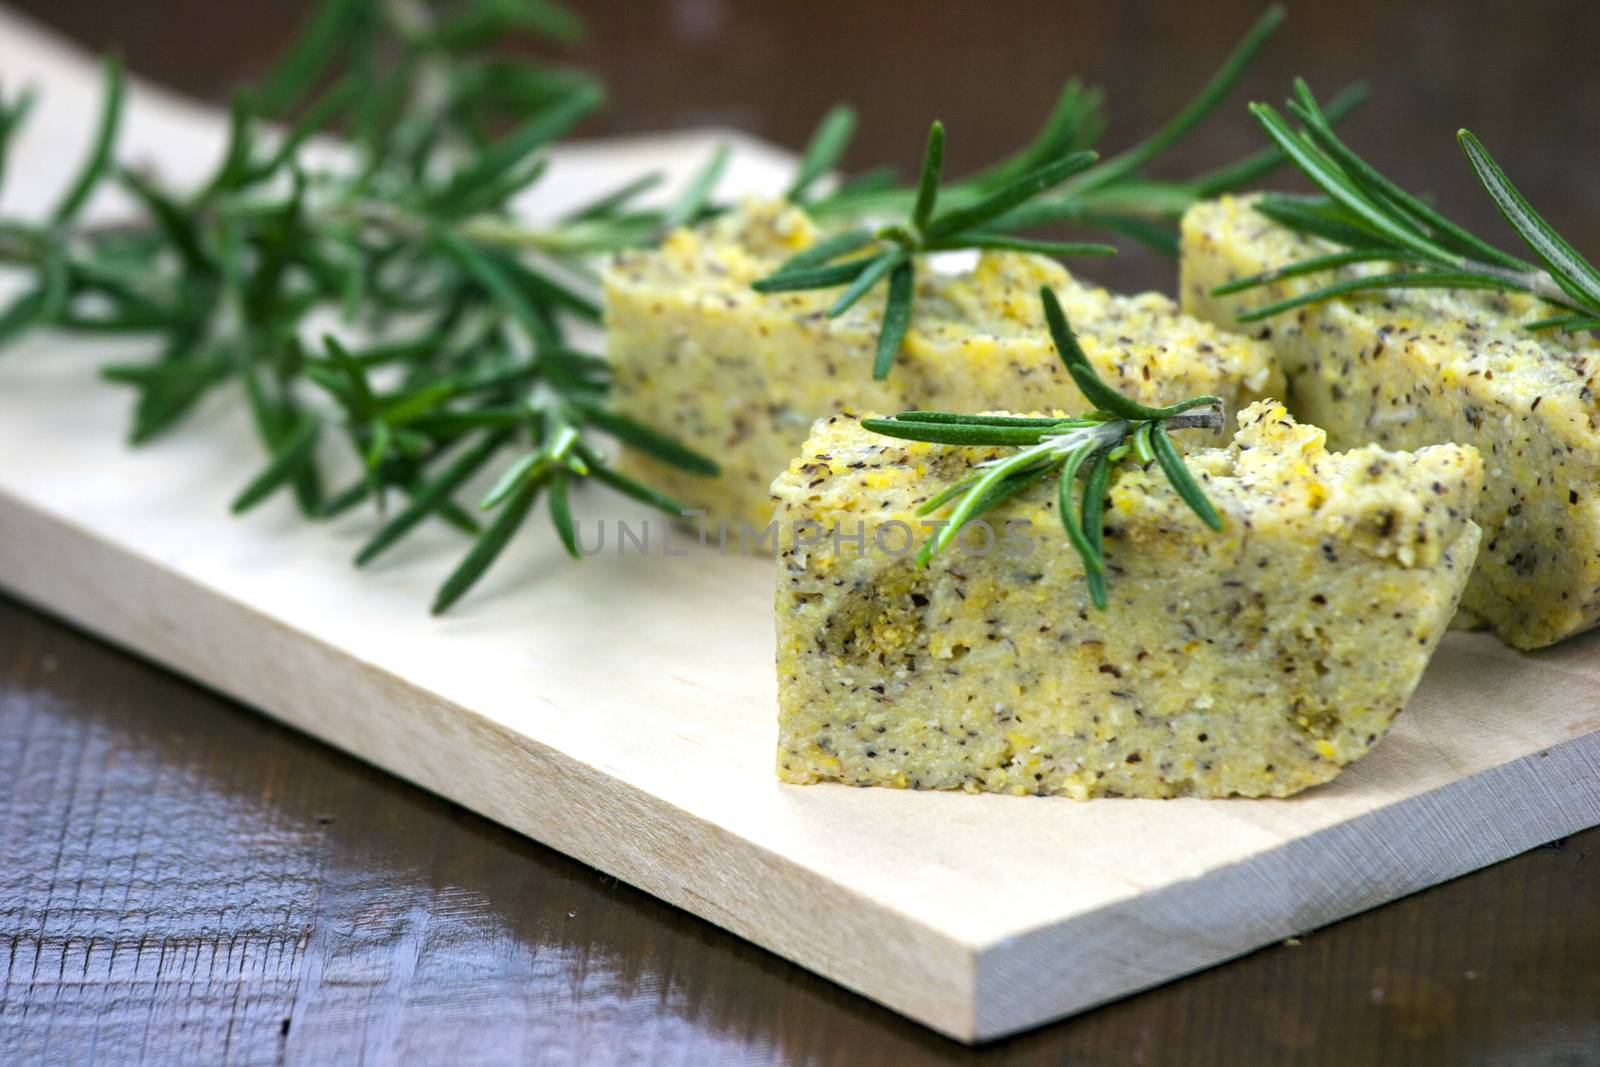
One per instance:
(1055, 179)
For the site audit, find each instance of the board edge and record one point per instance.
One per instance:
(1035, 977)
(885, 955)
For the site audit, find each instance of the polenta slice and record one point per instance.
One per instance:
(741, 376)
(1405, 368)
(1255, 662)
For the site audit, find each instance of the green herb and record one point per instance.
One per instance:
(451, 357)
(894, 249)
(411, 243)
(1056, 178)
(823, 152)
(1376, 221)
(1090, 445)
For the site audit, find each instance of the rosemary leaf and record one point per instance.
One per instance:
(361, 401)
(691, 203)
(1002, 200)
(950, 432)
(1102, 396)
(496, 536)
(234, 167)
(311, 54)
(928, 180)
(286, 463)
(1143, 446)
(516, 147)
(1568, 323)
(1095, 486)
(972, 504)
(1571, 271)
(491, 274)
(519, 473)
(608, 475)
(1314, 265)
(12, 116)
(23, 313)
(823, 152)
(822, 277)
(317, 117)
(176, 224)
(561, 514)
(1163, 239)
(1008, 243)
(1093, 562)
(1074, 124)
(1315, 216)
(609, 203)
(939, 417)
(1420, 279)
(874, 272)
(98, 160)
(1178, 474)
(1221, 83)
(651, 442)
(819, 253)
(896, 319)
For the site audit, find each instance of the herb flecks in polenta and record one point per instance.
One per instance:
(1254, 661)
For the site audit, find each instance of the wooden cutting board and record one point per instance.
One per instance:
(622, 709)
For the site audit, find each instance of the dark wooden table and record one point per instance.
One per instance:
(183, 881)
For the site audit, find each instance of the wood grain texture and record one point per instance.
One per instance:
(185, 881)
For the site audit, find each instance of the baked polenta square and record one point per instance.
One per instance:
(1255, 661)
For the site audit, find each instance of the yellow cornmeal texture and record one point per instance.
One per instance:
(742, 376)
(1407, 368)
(1256, 661)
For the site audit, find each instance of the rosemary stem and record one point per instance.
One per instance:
(508, 234)
(1540, 284)
(1199, 419)
(482, 229)
(1537, 283)
(14, 248)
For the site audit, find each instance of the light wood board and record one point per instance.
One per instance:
(623, 710)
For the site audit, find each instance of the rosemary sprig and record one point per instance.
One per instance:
(454, 316)
(1114, 195)
(1090, 445)
(1371, 219)
(893, 249)
(1054, 179)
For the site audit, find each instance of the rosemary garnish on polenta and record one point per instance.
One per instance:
(1090, 444)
